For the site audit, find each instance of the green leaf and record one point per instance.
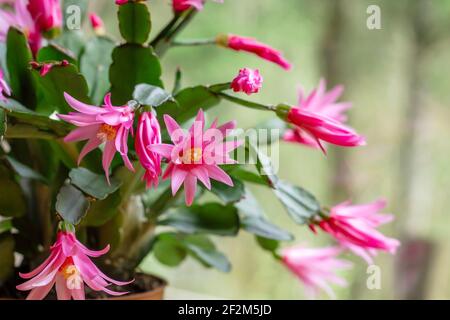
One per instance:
(169, 251)
(71, 204)
(188, 102)
(134, 22)
(133, 64)
(204, 250)
(80, 5)
(3, 124)
(72, 40)
(102, 211)
(253, 220)
(18, 57)
(12, 200)
(25, 171)
(267, 244)
(241, 173)
(54, 52)
(5, 225)
(94, 64)
(300, 204)
(226, 193)
(210, 218)
(149, 95)
(7, 245)
(61, 79)
(93, 184)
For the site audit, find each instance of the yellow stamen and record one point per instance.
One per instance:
(193, 155)
(106, 132)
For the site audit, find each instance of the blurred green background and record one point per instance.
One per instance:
(398, 81)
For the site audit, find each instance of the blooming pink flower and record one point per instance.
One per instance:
(20, 18)
(319, 118)
(262, 50)
(248, 81)
(183, 5)
(196, 154)
(121, 2)
(316, 268)
(108, 124)
(47, 14)
(4, 88)
(68, 268)
(96, 22)
(354, 226)
(149, 133)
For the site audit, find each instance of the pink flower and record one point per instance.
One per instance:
(108, 124)
(196, 154)
(262, 50)
(4, 88)
(121, 2)
(68, 268)
(248, 81)
(183, 5)
(20, 18)
(47, 14)
(354, 226)
(149, 133)
(319, 118)
(316, 268)
(96, 22)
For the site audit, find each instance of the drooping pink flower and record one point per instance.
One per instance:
(4, 87)
(68, 268)
(248, 81)
(107, 124)
(251, 45)
(21, 19)
(183, 5)
(149, 133)
(47, 14)
(354, 227)
(316, 268)
(196, 154)
(97, 23)
(322, 103)
(121, 2)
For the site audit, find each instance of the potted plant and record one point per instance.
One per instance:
(97, 154)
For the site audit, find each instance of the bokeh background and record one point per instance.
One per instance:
(398, 80)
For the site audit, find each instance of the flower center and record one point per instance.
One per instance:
(72, 275)
(106, 132)
(193, 155)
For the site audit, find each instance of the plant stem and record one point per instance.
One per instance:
(246, 103)
(165, 31)
(132, 185)
(193, 42)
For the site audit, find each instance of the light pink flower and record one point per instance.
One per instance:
(4, 88)
(248, 81)
(20, 18)
(47, 14)
(196, 154)
(121, 2)
(316, 268)
(149, 133)
(68, 268)
(323, 103)
(262, 50)
(108, 124)
(183, 5)
(354, 227)
(96, 22)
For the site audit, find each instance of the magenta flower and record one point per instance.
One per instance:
(4, 88)
(183, 5)
(320, 102)
(68, 268)
(20, 18)
(121, 2)
(316, 268)
(248, 81)
(96, 23)
(262, 50)
(108, 124)
(196, 154)
(47, 14)
(149, 133)
(354, 227)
